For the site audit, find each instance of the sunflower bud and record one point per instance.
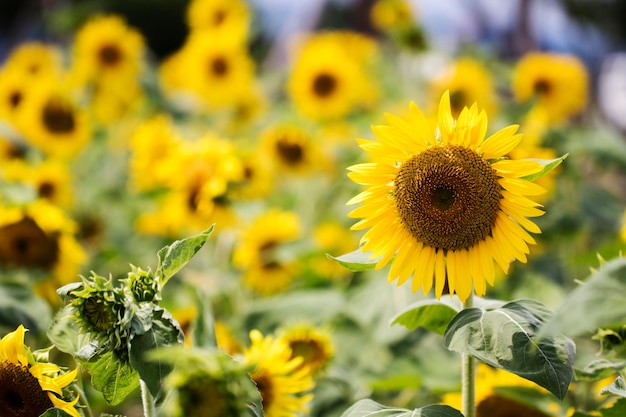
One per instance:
(142, 285)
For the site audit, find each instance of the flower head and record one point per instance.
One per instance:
(27, 387)
(444, 200)
(284, 386)
(312, 344)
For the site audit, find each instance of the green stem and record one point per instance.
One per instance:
(149, 409)
(468, 375)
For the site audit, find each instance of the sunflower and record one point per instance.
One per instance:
(215, 67)
(257, 180)
(226, 339)
(52, 121)
(227, 16)
(491, 398)
(444, 201)
(328, 80)
(558, 82)
(290, 149)
(468, 81)
(15, 86)
(41, 237)
(27, 387)
(283, 385)
(35, 59)
(107, 50)
(389, 14)
(49, 179)
(311, 343)
(331, 237)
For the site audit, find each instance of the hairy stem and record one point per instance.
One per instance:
(468, 375)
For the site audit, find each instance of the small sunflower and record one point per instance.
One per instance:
(491, 399)
(444, 201)
(107, 49)
(290, 149)
(284, 386)
(27, 387)
(390, 14)
(328, 80)
(312, 344)
(257, 180)
(15, 86)
(468, 81)
(232, 17)
(52, 121)
(51, 180)
(226, 339)
(35, 59)
(216, 68)
(558, 82)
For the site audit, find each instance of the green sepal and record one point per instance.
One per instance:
(618, 387)
(356, 261)
(548, 165)
(506, 337)
(367, 407)
(579, 314)
(173, 257)
(599, 369)
(431, 314)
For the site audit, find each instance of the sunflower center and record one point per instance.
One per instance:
(324, 85)
(309, 350)
(20, 392)
(219, 67)
(109, 55)
(99, 314)
(291, 153)
(46, 190)
(497, 406)
(58, 117)
(15, 98)
(24, 244)
(447, 197)
(542, 87)
(266, 389)
(219, 16)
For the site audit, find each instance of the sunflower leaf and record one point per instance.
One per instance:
(367, 407)
(54, 412)
(548, 165)
(579, 314)
(355, 261)
(431, 314)
(506, 337)
(598, 369)
(113, 378)
(173, 257)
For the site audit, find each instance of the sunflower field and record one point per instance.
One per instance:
(356, 223)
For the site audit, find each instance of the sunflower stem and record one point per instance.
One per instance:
(149, 409)
(468, 375)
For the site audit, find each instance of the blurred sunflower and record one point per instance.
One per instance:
(443, 201)
(328, 80)
(469, 82)
(258, 251)
(290, 149)
(227, 16)
(197, 177)
(35, 60)
(389, 14)
(257, 180)
(283, 386)
(107, 50)
(311, 343)
(52, 121)
(331, 237)
(50, 179)
(226, 340)
(218, 69)
(14, 88)
(558, 83)
(40, 237)
(491, 395)
(29, 387)
(12, 150)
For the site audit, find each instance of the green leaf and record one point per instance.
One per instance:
(64, 333)
(54, 412)
(114, 379)
(368, 407)
(173, 257)
(431, 314)
(355, 261)
(599, 369)
(164, 331)
(204, 326)
(579, 314)
(618, 387)
(617, 410)
(505, 337)
(548, 165)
